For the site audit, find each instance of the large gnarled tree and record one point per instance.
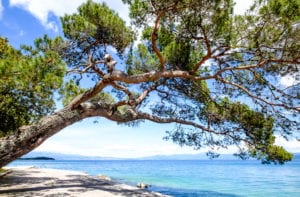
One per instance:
(215, 74)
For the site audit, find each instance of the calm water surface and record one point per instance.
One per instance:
(226, 178)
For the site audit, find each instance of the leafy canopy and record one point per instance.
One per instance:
(215, 74)
(246, 57)
(29, 78)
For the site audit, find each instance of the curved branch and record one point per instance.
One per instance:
(154, 76)
(88, 94)
(121, 88)
(144, 94)
(146, 116)
(26, 138)
(153, 39)
(297, 108)
(197, 66)
(208, 54)
(98, 71)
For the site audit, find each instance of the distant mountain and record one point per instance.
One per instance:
(61, 156)
(201, 156)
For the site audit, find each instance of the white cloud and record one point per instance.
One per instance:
(1, 9)
(120, 8)
(241, 6)
(288, 80)
(115, 150)
(110, 140)
(42, 9)
(292, 145)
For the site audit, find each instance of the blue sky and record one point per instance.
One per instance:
(21, 21)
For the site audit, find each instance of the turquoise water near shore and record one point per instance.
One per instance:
(222, 178)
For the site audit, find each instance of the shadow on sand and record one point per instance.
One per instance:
(33, 183)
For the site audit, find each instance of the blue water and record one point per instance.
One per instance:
(224, 178)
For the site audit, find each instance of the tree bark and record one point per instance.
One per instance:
(27, 138)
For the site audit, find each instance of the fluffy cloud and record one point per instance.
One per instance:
(292, 145)
(241, 6)
(288, 80)
(42, 9)
(111, 140)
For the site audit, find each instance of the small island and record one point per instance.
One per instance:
(36, 158)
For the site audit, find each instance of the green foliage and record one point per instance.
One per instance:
(272, 154)
(178, 54)
(234, 100)
(248, 126)
(258, 130)
(28, 80)
(278, 155)
(190, 30)
(13, 114)
(69, 91)
(103, 98)
(288, 10)
(141, 60)
(96, 25)
(177, 37)
(90, 32)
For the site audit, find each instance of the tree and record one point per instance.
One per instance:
(215, 74)
(28, 80)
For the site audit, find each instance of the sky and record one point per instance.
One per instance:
(21, 21)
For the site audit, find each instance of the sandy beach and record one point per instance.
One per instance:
(32, 181)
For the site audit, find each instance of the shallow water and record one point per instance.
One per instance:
(226, 178)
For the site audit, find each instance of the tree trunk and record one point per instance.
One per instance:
(26, 138)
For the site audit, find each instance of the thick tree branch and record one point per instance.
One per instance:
(98, 71)
(156, 75)
(26, 138)
(153, 39)
(88, 94)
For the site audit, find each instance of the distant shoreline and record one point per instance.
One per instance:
(36, 158)
(63, 183)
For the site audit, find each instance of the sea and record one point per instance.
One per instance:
(191, 178)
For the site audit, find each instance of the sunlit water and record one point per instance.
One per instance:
(193, 178)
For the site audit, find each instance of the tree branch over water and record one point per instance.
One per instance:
(216, 75)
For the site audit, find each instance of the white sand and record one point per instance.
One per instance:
(31, 181)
